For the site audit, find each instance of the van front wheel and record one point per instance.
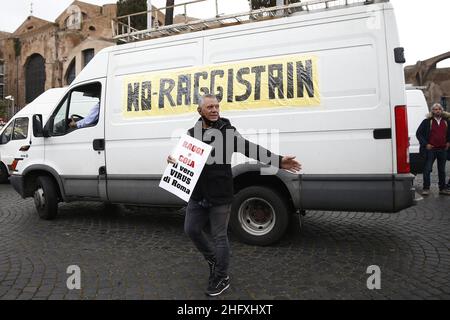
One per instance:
(46, 198)
(259, 216)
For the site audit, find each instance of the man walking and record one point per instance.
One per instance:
(434, 137)
(210, 203)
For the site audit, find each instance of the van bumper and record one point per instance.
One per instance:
(17, 181)
(363, 193)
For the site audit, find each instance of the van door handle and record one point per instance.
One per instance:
(99, 144)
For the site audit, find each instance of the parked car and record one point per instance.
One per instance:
(327, 82)
(16, 134)
(417, 111)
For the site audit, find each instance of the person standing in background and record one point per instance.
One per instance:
(434, 137)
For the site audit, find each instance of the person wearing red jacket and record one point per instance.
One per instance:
(434, 137)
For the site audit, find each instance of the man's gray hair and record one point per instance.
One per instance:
(201, 99)
(437, 105)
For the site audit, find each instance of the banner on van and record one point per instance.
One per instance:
(264, 83)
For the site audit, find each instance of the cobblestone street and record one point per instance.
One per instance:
(127, 253)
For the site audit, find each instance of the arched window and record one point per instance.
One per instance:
(75, 18)
(34, 77)
(71, 72)
(88, 54)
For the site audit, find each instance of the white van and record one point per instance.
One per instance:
(16, 134)
(328, 85)
(417, 112)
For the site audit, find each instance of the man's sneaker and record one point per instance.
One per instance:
(212, 270)
(426, 192)
(445, 192)
(217, 286)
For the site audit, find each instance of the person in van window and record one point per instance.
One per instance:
(434, 137)
(210, 203)
(91, 118)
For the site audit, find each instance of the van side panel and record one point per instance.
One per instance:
(137, 148)
(336, 141)
(337, 136)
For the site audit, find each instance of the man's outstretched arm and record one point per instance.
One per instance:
(257, 152)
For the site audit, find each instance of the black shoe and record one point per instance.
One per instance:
(212, 270)
(217, 286)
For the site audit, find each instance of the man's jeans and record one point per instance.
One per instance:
(431, 156)
(198, 216)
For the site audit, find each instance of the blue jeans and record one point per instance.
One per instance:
(200, 215)
(431, 157)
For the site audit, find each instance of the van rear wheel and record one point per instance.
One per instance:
(259, 216)
(3, 173)
(46, 198)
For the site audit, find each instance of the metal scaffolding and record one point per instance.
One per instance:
(124, 32)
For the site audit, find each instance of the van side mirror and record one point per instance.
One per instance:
(38, 130)
(48, 127)
(3, 139)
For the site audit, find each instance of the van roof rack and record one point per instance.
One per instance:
(410, 86)
(124, 32)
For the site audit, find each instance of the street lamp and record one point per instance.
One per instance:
(11, 98)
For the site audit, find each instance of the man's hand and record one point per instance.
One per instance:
(171, 160)
(73, 124)
(430, 147)
(290, 164)
(448, 146)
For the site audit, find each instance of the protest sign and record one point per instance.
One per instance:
(180, 178)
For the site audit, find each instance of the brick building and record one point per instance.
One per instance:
(41, 54)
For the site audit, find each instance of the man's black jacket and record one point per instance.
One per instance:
(215, 184)
(423, 132)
